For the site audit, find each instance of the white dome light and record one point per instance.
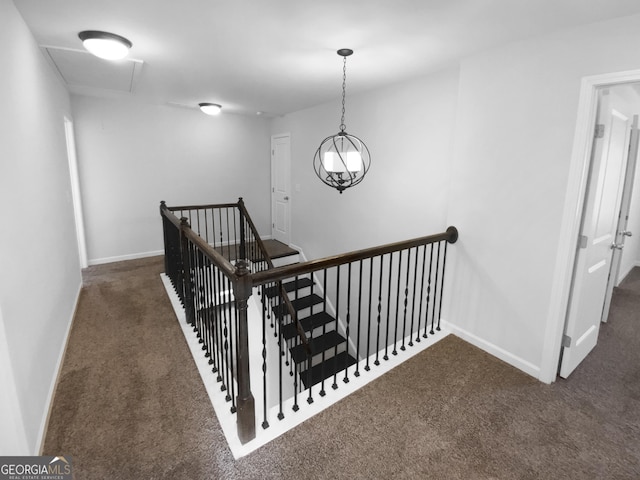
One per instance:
(105, 45)
(210, 108)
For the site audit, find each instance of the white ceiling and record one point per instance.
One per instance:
(279, 56)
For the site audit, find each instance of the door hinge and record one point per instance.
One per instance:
(583, 241)
(566, 341)
(599, 133)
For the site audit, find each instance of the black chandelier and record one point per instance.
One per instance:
(342, 160)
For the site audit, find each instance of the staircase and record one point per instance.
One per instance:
(329, 349)
(354, 314)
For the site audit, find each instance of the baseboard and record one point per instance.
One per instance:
(494, 350)
(122, 258)
(54, 383)
(303, 258)
(13, 437)
(623, 275)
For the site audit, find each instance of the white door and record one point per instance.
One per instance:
(280, 187)
(598, 234)
(623, 217)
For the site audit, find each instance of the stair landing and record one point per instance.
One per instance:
(275, 249)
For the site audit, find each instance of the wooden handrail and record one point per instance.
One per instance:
(216, 258)
(253, 228)
(168, 214)
(202, 207)
(288, 271)
(190, 252)
(283, 293)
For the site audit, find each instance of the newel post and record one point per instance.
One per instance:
(185, 253)
(245, 401)
(165, 236)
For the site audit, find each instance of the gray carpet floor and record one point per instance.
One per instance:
(130, 405)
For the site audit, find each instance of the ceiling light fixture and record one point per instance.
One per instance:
(105, 45)
(342, 160)
(210, 108)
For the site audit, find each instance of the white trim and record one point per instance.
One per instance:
(44, 424)
(301, 253)
(505, 356)
(622, 275)
(121, 258)
(76, 193)
(571, 217)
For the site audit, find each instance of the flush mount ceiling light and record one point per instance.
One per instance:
(210, 108)
(342, 160)
(105, 45)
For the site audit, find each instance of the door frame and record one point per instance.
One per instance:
(572, 216)
(76, 195)
(625, 206)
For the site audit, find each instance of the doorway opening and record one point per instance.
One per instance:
(604, 249)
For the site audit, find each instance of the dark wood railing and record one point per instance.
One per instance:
(366, 304)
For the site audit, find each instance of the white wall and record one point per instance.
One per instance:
(408, 128)
(515, 131)
(40, 277)
(133, 155)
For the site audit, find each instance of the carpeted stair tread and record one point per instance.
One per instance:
(308, 323)
(318, 345)
(326, 369)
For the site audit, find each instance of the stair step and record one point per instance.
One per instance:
(318, 345)
(302, 282)
(327, 369)
(298, 304)
(308, 323)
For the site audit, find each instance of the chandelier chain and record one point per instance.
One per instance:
(344, 88)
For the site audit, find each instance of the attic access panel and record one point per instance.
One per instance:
(79, 68)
